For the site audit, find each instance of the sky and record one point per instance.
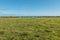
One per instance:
(29, 7)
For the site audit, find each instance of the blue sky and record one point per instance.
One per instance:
(29, 7)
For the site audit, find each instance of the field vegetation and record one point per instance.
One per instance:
(30, 28)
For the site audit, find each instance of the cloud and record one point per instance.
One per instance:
(9, 12)
(22, 12)
(27, 12)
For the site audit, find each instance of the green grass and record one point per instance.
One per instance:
(29, 28)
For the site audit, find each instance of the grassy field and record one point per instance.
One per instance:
(29, 28)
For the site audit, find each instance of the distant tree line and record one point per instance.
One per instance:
(8, 16)
(29, 16)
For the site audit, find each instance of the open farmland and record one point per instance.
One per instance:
(29, 28)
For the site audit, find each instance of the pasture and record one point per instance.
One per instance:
(29, 28)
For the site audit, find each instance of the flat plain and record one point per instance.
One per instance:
(29, 28)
